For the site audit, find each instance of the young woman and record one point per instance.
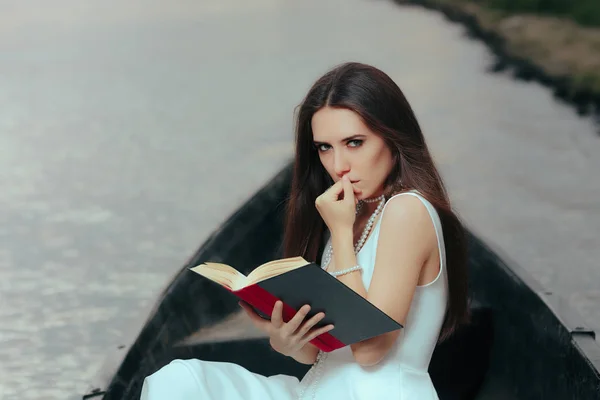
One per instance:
(364, 186)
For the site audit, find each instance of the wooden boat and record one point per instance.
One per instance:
(523, 343)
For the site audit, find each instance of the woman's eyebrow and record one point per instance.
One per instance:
(349, 138)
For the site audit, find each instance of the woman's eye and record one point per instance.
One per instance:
(355, 143)
(323, 147)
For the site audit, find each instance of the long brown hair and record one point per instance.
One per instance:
(375, 97)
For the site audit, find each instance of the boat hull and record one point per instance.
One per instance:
(523, 343)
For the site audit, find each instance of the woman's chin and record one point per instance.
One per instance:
(361, 196)
(368, 195)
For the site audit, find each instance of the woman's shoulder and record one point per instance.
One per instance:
(409, 204)
(405, 214)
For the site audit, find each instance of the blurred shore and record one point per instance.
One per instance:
(556, 51)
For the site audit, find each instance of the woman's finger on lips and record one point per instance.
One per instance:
(329, 195)
(348, 189)
(335, 190)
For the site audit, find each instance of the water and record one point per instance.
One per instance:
(128, 132)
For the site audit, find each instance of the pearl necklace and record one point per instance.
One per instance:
(363, 237)
(317, 369)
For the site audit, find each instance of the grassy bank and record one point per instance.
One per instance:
(556, 42)
(583, 12)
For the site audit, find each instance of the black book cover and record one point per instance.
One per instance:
(354, 317)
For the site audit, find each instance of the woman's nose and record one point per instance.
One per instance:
(341, 165)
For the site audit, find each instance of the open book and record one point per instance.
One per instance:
(296, 282)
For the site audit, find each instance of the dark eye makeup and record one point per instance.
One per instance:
(353, 143)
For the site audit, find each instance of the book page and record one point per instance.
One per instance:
(222, 274)
(274, 268)
(231, 278)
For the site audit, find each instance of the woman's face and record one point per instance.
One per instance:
(346, 146)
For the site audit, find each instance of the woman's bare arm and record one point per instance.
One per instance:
(405, 240)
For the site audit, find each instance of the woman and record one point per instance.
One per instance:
(365, 186)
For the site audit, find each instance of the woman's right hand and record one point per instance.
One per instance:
(290, 337)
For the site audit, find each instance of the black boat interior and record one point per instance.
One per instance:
(523, 342)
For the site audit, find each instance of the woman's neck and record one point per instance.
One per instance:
(367, 209)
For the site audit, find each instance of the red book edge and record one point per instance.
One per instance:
(265, 302)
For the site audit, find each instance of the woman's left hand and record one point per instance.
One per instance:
(338, 214)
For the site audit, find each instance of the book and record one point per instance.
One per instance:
(297, 282)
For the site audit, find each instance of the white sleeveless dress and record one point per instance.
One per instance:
(402, 374)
